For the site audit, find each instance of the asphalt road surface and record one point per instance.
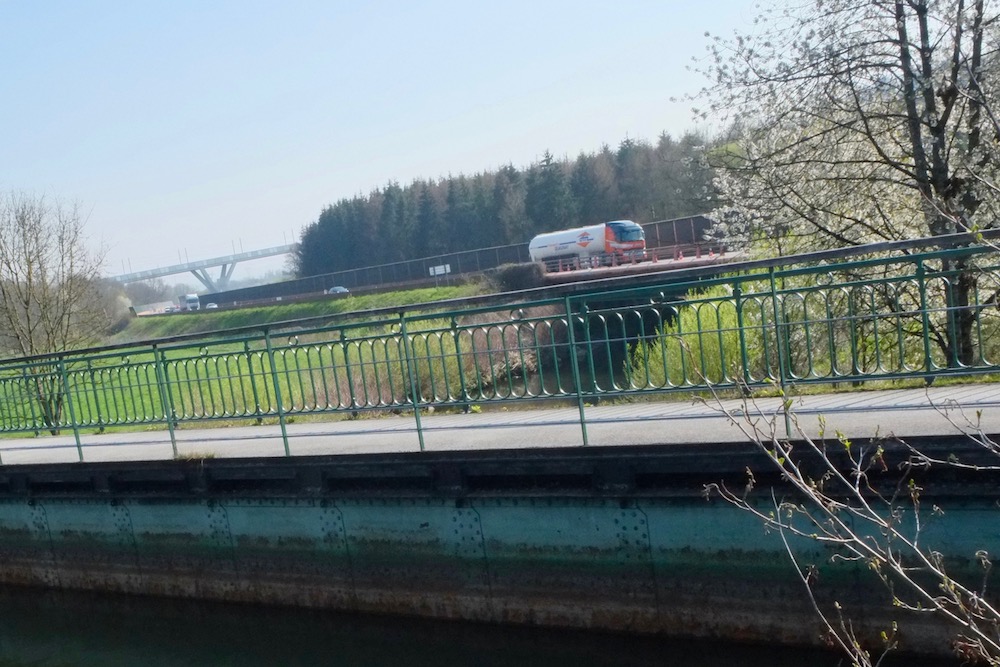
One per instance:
(902, 412)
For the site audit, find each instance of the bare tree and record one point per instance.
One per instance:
(151, 291)
(51, 295)
(867, 503)
(863, 120)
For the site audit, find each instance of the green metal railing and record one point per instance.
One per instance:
(878, 314)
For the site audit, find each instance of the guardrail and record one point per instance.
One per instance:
(876, 314)
(653, 255)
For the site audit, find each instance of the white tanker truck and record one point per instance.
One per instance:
(619, 237)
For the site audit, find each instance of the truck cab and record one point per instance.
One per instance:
(188, 302)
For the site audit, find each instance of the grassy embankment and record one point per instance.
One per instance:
(321, 376)
(176, 324)
(211, 385)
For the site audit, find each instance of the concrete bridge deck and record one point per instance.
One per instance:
(904, 412)
(618, 537)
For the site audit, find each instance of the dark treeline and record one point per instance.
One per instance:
(638, 181)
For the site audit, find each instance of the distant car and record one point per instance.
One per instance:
(169, 309)
(339, 289)
(211, 306)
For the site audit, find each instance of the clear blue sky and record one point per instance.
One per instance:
(187, 129)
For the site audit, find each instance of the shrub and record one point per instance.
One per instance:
(516, 277)
(699, 345)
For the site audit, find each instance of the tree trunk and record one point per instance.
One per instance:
(49, 396)
(961, 319)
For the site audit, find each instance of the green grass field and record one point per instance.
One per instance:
(164, 326)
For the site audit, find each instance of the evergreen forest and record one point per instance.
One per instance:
(639, 180)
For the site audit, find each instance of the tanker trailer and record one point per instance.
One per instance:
(619, 237)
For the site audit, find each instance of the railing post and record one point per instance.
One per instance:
(159, 358)
(925, 317)
(277, 391)
(458, 362)
(951, 304)
(831, 337)
(852, 330)
(69, 406)
(584, 311)
(253, 381)
(780, 348)
(97, 397)
(411, 375)
(31, 395)
(744, 360)
(575, 364)
(344, 347)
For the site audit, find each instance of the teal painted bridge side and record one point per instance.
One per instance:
(618, 539)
